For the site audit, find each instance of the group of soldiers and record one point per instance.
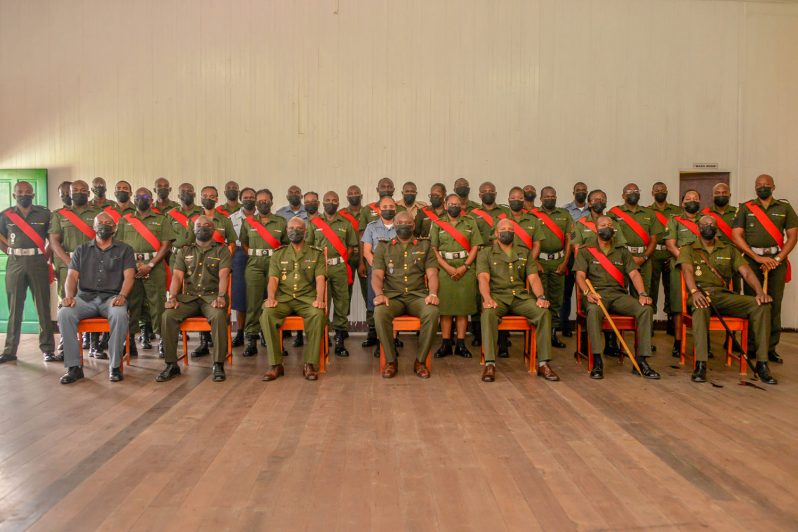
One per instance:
(448, 261)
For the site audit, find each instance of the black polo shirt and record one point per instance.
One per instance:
(101, 271)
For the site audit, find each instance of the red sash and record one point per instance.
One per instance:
(457, 235)
(221, 210)
(375, 208)
(607, 264)
(772, 230)
(181, 218)
(263, 232)
(335, 240)
(219, 237)
(156, 210)
(34, 236)
(548, 222)
(662, 218)
(82, 226)
(589, 225)
(151, 239)
(114, 213)
(431, 214)
(525, 237)
(722, 225)
(482, 214)
(634, 224)
(692, 226)
(351, 219)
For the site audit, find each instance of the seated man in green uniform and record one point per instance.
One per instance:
(503, 269)
(398, 272)
(297, 283)
(708, 266)
(199, 288)
(607, 264)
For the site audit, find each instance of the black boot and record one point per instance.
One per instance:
(445, 349)
(299, 341)
(676, 352)
(238, 340)
(218, 372)
(598, 367)
(208, 338)
(371, 338)
(144, 339)
(648, 371)
(340, 348)
(669, 328)
(104, 339)
(160, 349)
(460, 349)
(504, 344)
(73, 374)
(86, 340)
(763, 373)
(700, 372)
(252, 346)
(202, 349)
(476, 330)
(377, 351)
(134, 352)
(611, 345)
(555, 342)
(774, 357)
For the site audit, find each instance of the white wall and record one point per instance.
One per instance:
(326, 93)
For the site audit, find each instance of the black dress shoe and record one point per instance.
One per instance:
(648, 371)
(676, 352)
(169, 372)
(252, 346)
(700, 372)
(445, 349)
(371, 338)
(218, 372)
(340, 348)
(299, 341)
(73, 374)
(202, 349)
(134, 351)
(460, 349)
(377, 351)
(598, 367)
(99, 355)
(144, 340)
(504, 349)
(555, 342)
(7, 358)
(611, 345)
(774, 357)
(238, 339)
(397, 342)
(763, 373)
(115, 375)
(52, 357)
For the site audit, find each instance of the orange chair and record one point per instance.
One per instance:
(201, 324)
(519, 323)
(101, 325)
(735, 324)
(297, 323)
(404, 324)
(624, 323)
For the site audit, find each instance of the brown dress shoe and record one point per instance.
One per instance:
(547, 373)
(390, 370)
(489, 373)
(310, 372)
(421, 369)
(274, 372)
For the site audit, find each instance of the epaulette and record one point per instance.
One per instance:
(784, 201)
(320, 250)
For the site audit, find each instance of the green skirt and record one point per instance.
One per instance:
(458, 298)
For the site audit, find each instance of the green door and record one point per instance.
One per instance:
(8, 178)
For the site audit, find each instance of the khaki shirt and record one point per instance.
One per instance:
(413, 210)
(156, 223)
(779, 211)
(600, 278)
(340, 226)
(202, 267)
(508, 273)
(405, 264)
(296, 272)
(71, 236)
(725, 258)
(562, 218)
(38, 218)
(645, 217)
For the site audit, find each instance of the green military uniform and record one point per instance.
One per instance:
(661, 259)
(170, 204)
(682, 235)
(228, 210)
(337, 276)
(23, 271)
(508, 275)
(552, 255)
(105, 203)
(615, 297)
(423, 223)
(371, 212)
(223, 228)
(354, 263)
(530, 224)
(486, 227)
(728, 217)
(148, 294)
(296, 273)
(405, 264)
(457, 298)
(783, 217)
(634, 243)
(585, 235)
(726, 260)
(471, 205)
(71, 237)
(183, 233)
(256, 274)
(201, 269)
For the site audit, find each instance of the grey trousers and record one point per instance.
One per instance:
(68, 318)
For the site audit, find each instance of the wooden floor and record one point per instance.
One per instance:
(355, 452)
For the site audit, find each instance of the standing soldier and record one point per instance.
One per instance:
(399, 288)
(99, 189)
(526, 227)
(150, 235)
(462, 188)
(455, 241)
(436, 209)
(294, 207)
(182, 219)
(162, 203)
(371, 212)
(351, 213)
(724, 214)
(261, 235)
(408, 201)
(63, 191)
(759, 231)
(333, 233)
(231, 194)
(123, 204)
(607, 264)
(529, 198)
(661, 259)
(239, 286)
(555, 251)
(198, 288)
(576, 209)
(708, 264)
(504, 269)
(296, 286)
(23, 228)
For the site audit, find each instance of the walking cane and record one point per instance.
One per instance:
(765, 284)
(614, 328)
(729, 334)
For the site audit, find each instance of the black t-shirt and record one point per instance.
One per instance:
(101, 271)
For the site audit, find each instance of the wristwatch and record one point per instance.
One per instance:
(543, 297)
(644, 294)
(777, 258)
(151, 265)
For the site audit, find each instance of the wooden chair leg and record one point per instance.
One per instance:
(744, 345)
(185, 349)
(532, 346)
(383, 362)
(80, 348)
(229, 344)
(683, 346)
(428, 362)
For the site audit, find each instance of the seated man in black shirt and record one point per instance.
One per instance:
(102, 272)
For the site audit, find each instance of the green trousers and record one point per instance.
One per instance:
(734, 305)
(22, 273)
(776, 280)
(354, 261)
(660, 270)
(675, 290)
(338, 293)
(147, 299)
(406, 305)
(553, 287)
(624, 305)
(528, 308)
(170, 327)
(272, 318)
(256, 277)
(61, 272)
(646, 271)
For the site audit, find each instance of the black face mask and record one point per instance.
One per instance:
(143, 203)
(66, 200)
(633, 198)
(79, 199)
(264, 207)
(187, 198)
(25, 201)
(454, 211)
(295, 236)
(530, 196)
(404, 231)
(463, 192)
(163, 193)
(330, 208)
(660, 197)
(208, 204)
(516, 205)
(99, 191)
(506, 237)
(721, 201)
(311, 208)
(294, 200)
(249, 204)
(764, 193)
(436, 201)
(605, 233)
(122, 196)
(388, 214)
(598, 207)
(707, 232)
(354, 201)
(549, 204)
(203, 234)
(385, 193)
(409, 198)
(488, 198)
(692, 207)
(231, 195)
(580, 197)
(105, 231)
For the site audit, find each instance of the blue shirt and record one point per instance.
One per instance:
(575, 211)
(288, 213)
(376, 231)
(237, 219)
